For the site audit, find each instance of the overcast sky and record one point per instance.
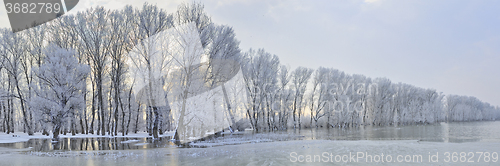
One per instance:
(449, 45)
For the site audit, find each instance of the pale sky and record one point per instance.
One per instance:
(452, 46)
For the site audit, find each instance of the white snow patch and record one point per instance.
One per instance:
(19, 137)
(129, 141)
(141, 144)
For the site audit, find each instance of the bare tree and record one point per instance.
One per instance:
(318, 94)
(150, 60)
(285, 96)
(260, 69)
(92, 27)
(121, 24)
(15, 63)
(300, 77)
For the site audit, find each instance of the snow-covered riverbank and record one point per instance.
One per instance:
(19, 137)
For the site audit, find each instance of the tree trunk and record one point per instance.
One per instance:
(55, 133)
(137, 118)
(101, 102)
(129, 110)
(24, 111)
(93, 113)
(123, 120)
(10, 128)
(179, 132)
(73, 125)
(123, 117)
(98, 121)
(294, 113)
(155, 125)
(229, 111)
(110, 122)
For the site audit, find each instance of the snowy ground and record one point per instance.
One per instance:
(19, 137)
(245, 138)
(270, 153)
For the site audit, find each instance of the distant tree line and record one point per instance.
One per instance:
(71, 76)
(326, 97)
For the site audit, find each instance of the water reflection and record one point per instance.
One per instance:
(99, 143)
(443, 132)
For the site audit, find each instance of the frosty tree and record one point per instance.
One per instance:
(62, 80)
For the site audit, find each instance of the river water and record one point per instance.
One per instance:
(472, 139)
(443, 132)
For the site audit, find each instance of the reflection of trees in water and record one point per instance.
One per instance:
(84, 144)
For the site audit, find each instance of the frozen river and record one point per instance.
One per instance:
(471, 143)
